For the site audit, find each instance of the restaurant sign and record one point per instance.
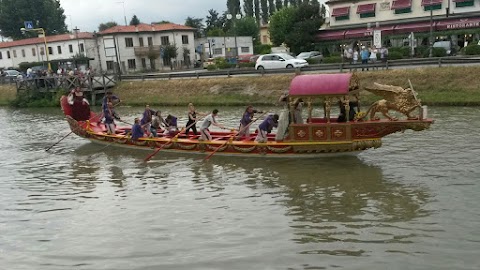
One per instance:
(463, 24)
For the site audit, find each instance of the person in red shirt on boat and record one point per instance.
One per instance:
(245, 121)
(266, 127)
(80, 105)
(137, 130)
(209, 120)
(110, 116)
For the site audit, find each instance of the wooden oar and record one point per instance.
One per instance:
(234, 135)
(59, 141)
(176, 136)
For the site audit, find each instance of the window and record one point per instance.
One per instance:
(403, 10)
(128, 42)
(367, 15)
(144, 63)
(1, 56)
(82, 49)
(265, 38)
(14, 53)
(131, 64)
(140, 41)
(109, 65)
(42, 50)
(70, 48)
(8, 54)
(23, 53)
(468, 3)
(342, 18)
(34, 52)
(150, 41)
(184, 39)
(217, 51)
(152, 64)
(59, 49)
(164, 40)
(432, 7)
(245, 49)
(50, 50)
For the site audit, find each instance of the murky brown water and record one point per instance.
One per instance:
(412, 204)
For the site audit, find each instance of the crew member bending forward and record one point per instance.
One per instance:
(266, 127)
(110, 115)
(209, 120)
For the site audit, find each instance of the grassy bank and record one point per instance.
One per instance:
(8, 93)
(456, 86)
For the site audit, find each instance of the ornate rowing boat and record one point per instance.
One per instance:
(320, 134)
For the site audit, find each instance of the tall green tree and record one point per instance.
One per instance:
(285, 3)
(257, 11)
(196, 23)
(246, 26)
(106, 25)
(281, 23)
(233, 7)
(169, 52)
(293, 3)
(248, 8)
(278, 4)
(265, 14)
(134, 20)
(214, 20)
(271, 7)
(47, 14)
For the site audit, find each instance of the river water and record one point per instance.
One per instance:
(412, 204)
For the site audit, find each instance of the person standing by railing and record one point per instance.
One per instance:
(364, 54)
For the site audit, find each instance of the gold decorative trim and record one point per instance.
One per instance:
(279, 150)
(338, 133)
(244, 149)
(186, 146)
(221, 149)
(319, 133)
(301, 133)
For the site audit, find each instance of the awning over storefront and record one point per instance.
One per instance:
(413, 27)
(458, 24)
(461, 1)
(401, 4)
(341, 11)
(367, 8)
(331, 35)
(427, 3)
(364, 32)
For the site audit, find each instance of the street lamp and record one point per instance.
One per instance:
(124, 17)
(41, 31)
(237, 17)
(76, 37)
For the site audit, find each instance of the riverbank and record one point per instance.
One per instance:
(454, 86)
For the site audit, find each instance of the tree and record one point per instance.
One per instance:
(216, 32)
(293, 3)
(285, 3)
(264, 6)
(213, 20)
(278, 4)
(135, 21)
(161, 22)
(233, 7)
(281, 23)
(47, 14)
(257, 11)
(169, 52)
(247, 26)
(105, 26)
(306, 21)
(248, 8)
(196, 23)
(271, 7)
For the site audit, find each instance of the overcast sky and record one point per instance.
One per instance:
(88, 14)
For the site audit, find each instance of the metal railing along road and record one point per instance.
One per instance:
(341, 67)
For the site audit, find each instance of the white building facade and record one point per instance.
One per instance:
(141, 47)
(60, 48)
(226, 47)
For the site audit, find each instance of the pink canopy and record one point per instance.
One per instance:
(320, 84)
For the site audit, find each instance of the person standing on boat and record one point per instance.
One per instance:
(192, 119)
(209, 120)
(137, 130)
(244, 129)
(147, 118)
(266, 127)
(80, 105)
(284, 119)
(157, 122)
(297, 116)
(110, 116)
(109, 97)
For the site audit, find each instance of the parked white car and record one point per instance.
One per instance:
(279, 60)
